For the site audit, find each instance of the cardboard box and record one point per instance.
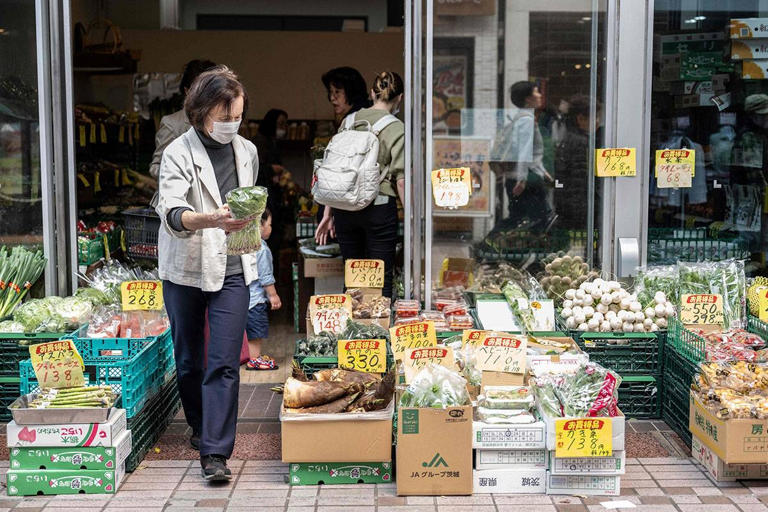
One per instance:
(583, 485)
(358, 437)
(434, 451)
(509, 437)
(618, 429)
(749, 49)
(510, 481)
(609, 466)
(62, 436)
(749, 28)
(97, 458)
(335, 473)
(689, 87)
(735, 441)
(754, 69)
(323, 267)
(510, 459)
(503, 379)
(722, 472)
(546, 363)
(64, 481)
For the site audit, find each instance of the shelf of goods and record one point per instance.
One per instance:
(141, 229)
(520, 245)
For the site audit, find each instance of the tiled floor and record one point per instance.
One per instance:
(652, 485)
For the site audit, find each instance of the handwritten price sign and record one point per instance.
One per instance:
(675, 168)
(417, 359)
(763, 305)
(364, 274)
(57, 364)
(473, 337)
(329, 312)
(583, 437)
(452, 187)
(418, 335)
(502, 353)
(142, 295)
(363, 355)
(700, 309)
(615, 163)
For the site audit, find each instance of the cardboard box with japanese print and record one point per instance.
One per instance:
(68, 435)
(612, 465)
(510, 481)
(23, 482)
(722, 472)
(75, 457)
(583, 485)
(510, 459)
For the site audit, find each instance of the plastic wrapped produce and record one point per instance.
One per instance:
(505, 416)
(724, 278)
(589, 391)
(663, 278)
(437, 387)
(246, 203)
(506, 397)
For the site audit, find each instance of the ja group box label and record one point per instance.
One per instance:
(94, 458)
(68, 435)
(510, 481)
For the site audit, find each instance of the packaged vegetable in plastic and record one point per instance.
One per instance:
(506, 397)
(94, 296)
(661, 278)
(104, 323)
(724, 278)
(39, 315)
(10, 326)
(505, 416)
(437, 387)
(466, 360)
(74, 312)
(246, 203)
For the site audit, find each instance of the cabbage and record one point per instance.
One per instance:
(92, 295)
(39, 315)
(11, 326)
(73, 312)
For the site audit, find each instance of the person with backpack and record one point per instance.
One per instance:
(360, 177)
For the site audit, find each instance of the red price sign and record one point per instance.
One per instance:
(418, 335)
(330, 312)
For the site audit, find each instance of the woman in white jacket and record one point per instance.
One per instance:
(197, 171)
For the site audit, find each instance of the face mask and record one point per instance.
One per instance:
(224, 133)
(280, 133)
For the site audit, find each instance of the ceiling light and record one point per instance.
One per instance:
(577, 66)
(586, 18)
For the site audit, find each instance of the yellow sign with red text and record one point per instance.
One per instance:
(701, 309)
(142, 295)
(615, 162)
(675, 168)
(57, 364)
(452, 187)
(363, 355)
(499, 352)
(418, 335)
(364, 274)
(584, 437)
(416, 359)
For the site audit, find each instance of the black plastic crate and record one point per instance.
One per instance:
(674, 410)
(9, 392)
(624, 353)
(640, 396)
(142, 226)
(14, 348)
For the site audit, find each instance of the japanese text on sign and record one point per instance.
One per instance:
(615, 163)
(364, 274)
(417, 335)
(701, 309)
(452, 187)
(763, 306)
(57, 364)
(329, 312)
(472, 337)
(142, 295)
(583, 437)
(416, 359)
(502, 353)
(363, 355)
(675, 168)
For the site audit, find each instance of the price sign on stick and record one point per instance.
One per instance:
(452, 187)
(363, 355)
(702, 309)
(364, 274)
(142, 295)
(416, 359)
(418, 335)
(615, 162)
(329, 312)
(502, 353)
(763, 306)
(675, 168)
(584, 437)
(57, 364)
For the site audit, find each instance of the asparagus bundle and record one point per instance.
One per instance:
(19, 269)
(67, 398)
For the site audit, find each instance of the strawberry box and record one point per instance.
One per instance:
(68, 435)
(23, 482)
(93, 458)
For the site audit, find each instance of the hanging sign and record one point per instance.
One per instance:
(675, 168)
(418, 335)
(142, 295)
(416, 359)
(329, 312)
(584, 437)
(502, 353)
(364, 274)
(363, 355)
(57, 364)
(615, 162)
(701, 309)
(452, 187)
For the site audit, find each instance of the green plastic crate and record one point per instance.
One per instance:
(9, 392)
(640, 396)
(675, 412)
(625, 353)
(689, 345)
(670, 245)
(756, 326)
(14, 348)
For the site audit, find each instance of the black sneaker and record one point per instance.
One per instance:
(194, 440)
(215, 468)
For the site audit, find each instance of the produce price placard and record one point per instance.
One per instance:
(473, 337)
(502, 353)
(701, 309)
(329, 312)
(142, 295)
(364, 274)
(763, 306)
(584, 437)
(675, 168)
(416, 359)
(363, 355)
(419, 335)
(452, 187)
(615, 162)
(57, 364)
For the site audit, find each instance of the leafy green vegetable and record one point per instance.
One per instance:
(19, 269)
(92, 295)
(246, 203)
(436, 387)
(11, 326)
(73, 312)
(39, 315)
(724, 278)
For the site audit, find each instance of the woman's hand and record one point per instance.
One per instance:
(325, 230)
(519, 188)
(222, 219)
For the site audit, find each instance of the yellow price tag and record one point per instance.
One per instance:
(329, 312)
(499, 352)
(584, 437)
(417, 335)
(57, 364)
(615, 162)
(676, 156)
(452, 187)
(363, 355)
(142, 295)
(473, 337)
(701, 309)
(364, 273)
(416, 359)
(675, 168)
(763, 306)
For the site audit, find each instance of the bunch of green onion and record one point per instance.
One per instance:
(19, 269)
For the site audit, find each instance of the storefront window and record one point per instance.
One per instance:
(20, 193)
(517, 98)
(710, 96)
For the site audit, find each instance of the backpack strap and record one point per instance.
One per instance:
(382, 123)
(349, 121)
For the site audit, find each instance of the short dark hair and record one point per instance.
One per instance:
(353, 84)
(268, 125)
(216, 86)
(192, 70)
(265, 216)
(520, 91)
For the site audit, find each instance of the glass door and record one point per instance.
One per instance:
(515, 92)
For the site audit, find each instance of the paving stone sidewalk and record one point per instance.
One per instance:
(653, 485)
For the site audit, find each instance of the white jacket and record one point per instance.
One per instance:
(198, 259)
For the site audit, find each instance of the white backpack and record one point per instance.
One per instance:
(348, 176)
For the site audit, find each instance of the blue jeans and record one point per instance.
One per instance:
(209, 394)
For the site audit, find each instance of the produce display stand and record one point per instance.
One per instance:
(667, 246)
(92, 247)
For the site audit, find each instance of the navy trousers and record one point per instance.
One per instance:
(209, 395)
